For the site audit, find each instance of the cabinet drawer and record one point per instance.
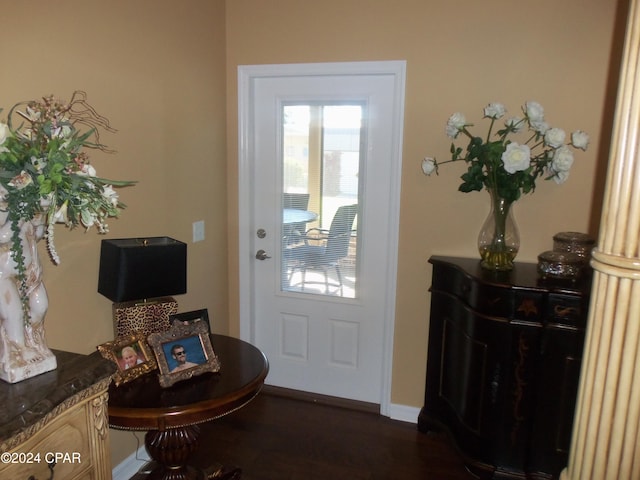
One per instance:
(451, 280)
(566, 309)
(528, 305)
(67, 434)
(490, 300)
(486, 299)
(493, 298)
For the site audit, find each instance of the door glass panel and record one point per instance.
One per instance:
(321, 150)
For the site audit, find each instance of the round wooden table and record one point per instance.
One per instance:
(171, 415)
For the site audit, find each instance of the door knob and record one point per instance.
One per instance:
(262, 255)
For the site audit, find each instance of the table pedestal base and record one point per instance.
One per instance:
(214, 472)
(170, 451)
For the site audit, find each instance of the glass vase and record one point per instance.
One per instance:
(499, 240)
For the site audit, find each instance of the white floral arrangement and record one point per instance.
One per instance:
(45, 174)
(510, 167)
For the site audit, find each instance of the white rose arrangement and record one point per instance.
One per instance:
(511, 168)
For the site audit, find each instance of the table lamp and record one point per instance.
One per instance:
(140, 275)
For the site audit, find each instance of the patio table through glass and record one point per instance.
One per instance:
(293, 215)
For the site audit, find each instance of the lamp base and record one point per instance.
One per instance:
(143, 316)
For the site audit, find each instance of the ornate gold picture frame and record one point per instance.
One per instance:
(132, 355)
(183, 351)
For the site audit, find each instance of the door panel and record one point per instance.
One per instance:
(328, 137)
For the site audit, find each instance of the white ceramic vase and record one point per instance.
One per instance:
(23, 349)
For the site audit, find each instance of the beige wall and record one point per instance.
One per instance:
(460, 56)
(157, 69)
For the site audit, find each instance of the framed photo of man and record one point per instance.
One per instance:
(183, 352)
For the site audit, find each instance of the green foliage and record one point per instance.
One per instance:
(45, 174)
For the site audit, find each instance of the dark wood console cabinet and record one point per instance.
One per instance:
(503, 367)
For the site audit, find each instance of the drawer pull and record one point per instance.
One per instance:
(528, 306)
(493, 301)
(51, 467)
(564, 311)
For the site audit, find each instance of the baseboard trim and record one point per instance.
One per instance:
(401, 413)
(130, 465)
(404, 413)
(321, 399)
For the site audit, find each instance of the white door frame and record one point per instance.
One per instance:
(246, 76)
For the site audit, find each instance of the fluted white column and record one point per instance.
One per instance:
(606, 433)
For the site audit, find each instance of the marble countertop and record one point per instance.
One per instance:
(26, 403)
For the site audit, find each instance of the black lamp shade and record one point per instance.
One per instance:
(141, 268)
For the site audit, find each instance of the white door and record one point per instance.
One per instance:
(319, 300)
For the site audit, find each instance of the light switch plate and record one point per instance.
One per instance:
(198, 231)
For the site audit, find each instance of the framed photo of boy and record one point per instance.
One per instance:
(183, 352)
(131, 354)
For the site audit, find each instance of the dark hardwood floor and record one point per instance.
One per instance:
(279, 438)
